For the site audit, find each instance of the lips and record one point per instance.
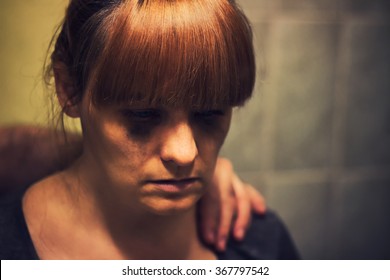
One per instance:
(174, 185)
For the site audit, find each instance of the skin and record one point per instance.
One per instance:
(225, 198)
(218, 207)
(138, 180)
(161, 158)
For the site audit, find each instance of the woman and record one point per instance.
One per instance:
(154, 84)
(30, 153)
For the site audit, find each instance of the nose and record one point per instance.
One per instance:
(179, 145)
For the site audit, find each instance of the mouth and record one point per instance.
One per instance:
(174, 185)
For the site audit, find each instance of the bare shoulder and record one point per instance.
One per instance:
(41, 194)
(42, 206)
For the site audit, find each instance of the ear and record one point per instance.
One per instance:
(66, 91)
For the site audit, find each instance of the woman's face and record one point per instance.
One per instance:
(154, 158)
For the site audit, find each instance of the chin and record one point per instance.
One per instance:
(170, 206)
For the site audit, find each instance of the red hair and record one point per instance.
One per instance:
(171, 52)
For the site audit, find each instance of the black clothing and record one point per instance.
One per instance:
(267, 238)
(15, 240)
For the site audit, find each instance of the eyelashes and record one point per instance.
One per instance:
(141, 122)
(208, 114)
(145, 115)
(141, 115)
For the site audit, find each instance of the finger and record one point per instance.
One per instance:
(225, 220)
(257, 201)
(214, 199)
(209, 216)
(226, 207)
(243, 211)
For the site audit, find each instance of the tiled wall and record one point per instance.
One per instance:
(316, 136)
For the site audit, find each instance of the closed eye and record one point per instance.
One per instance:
(208, 118)
(140, 123)
(141, 115)
(209, 113)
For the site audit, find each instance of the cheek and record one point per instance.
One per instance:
(123, 156)
(213, 138)
(209, 146)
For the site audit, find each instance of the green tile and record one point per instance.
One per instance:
(303, 78)
(368, 85)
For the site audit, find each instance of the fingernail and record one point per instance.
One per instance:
(221, 244)
(261, 211)
(240, 234)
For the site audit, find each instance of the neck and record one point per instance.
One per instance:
(161, 237)
(132, 231)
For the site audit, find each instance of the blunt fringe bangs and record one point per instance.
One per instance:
(175, 53)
